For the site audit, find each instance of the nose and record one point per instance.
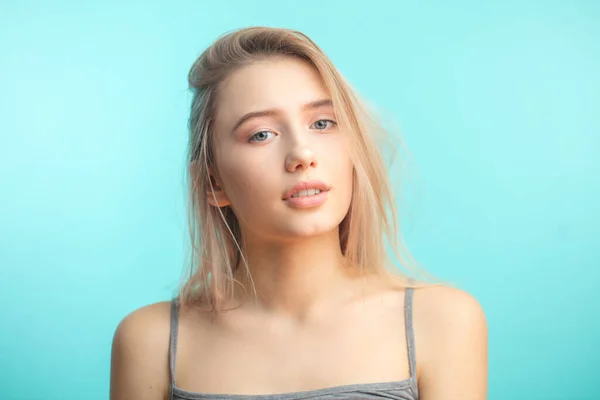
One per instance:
(301, 157)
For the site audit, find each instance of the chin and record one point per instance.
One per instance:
(304, 225)
(307, 229)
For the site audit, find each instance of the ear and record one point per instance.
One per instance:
(217, 196)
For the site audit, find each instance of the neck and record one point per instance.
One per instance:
(292, 277)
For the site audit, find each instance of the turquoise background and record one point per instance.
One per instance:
(499, 105)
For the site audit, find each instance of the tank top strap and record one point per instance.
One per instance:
(173, 342)
(410, 334)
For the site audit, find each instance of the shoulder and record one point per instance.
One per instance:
(140, 354)
(146, 325)
(451, 341)
(448, 307)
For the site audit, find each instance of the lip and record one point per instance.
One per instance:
(314, 184)
(307, 201)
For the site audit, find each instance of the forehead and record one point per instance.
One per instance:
(285, 83)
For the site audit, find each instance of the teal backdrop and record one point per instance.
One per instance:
(498, 103)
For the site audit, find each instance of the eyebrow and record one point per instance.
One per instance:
(274, 112)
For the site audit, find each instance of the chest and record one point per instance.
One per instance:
(274, 357)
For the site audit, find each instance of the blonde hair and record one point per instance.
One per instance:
(215, 235)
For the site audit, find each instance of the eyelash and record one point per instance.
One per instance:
(332, 122)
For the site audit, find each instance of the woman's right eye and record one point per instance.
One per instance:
(260, 136)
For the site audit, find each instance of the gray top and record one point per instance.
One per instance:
(399, 390)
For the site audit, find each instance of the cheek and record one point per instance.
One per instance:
(348, 175)
(343, 164)
(341, 173)
(348, 183)
(248, 189)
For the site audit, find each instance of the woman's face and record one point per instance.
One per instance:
(275, 127)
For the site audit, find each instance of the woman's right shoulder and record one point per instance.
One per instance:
(147, 325)
(140, 354)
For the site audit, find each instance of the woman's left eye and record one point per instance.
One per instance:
(323, 124)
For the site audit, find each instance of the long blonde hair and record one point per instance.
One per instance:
(215, 235)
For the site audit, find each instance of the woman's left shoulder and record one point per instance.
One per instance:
(446, 314)
(443, 303)
(451, 340)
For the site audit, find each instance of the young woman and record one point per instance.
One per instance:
(291, 294)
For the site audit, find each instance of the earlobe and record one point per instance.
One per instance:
(215, 193)
(217, 197)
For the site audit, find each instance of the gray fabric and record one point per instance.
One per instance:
(399, 390)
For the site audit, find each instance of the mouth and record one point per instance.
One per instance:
(306, 193)
(306, 189)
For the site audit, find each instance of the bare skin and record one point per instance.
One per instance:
(315, 323)
(250, 353)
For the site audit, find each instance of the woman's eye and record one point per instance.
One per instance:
(324, 124)
(260, 136)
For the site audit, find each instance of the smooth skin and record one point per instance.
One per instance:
(315, 323)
